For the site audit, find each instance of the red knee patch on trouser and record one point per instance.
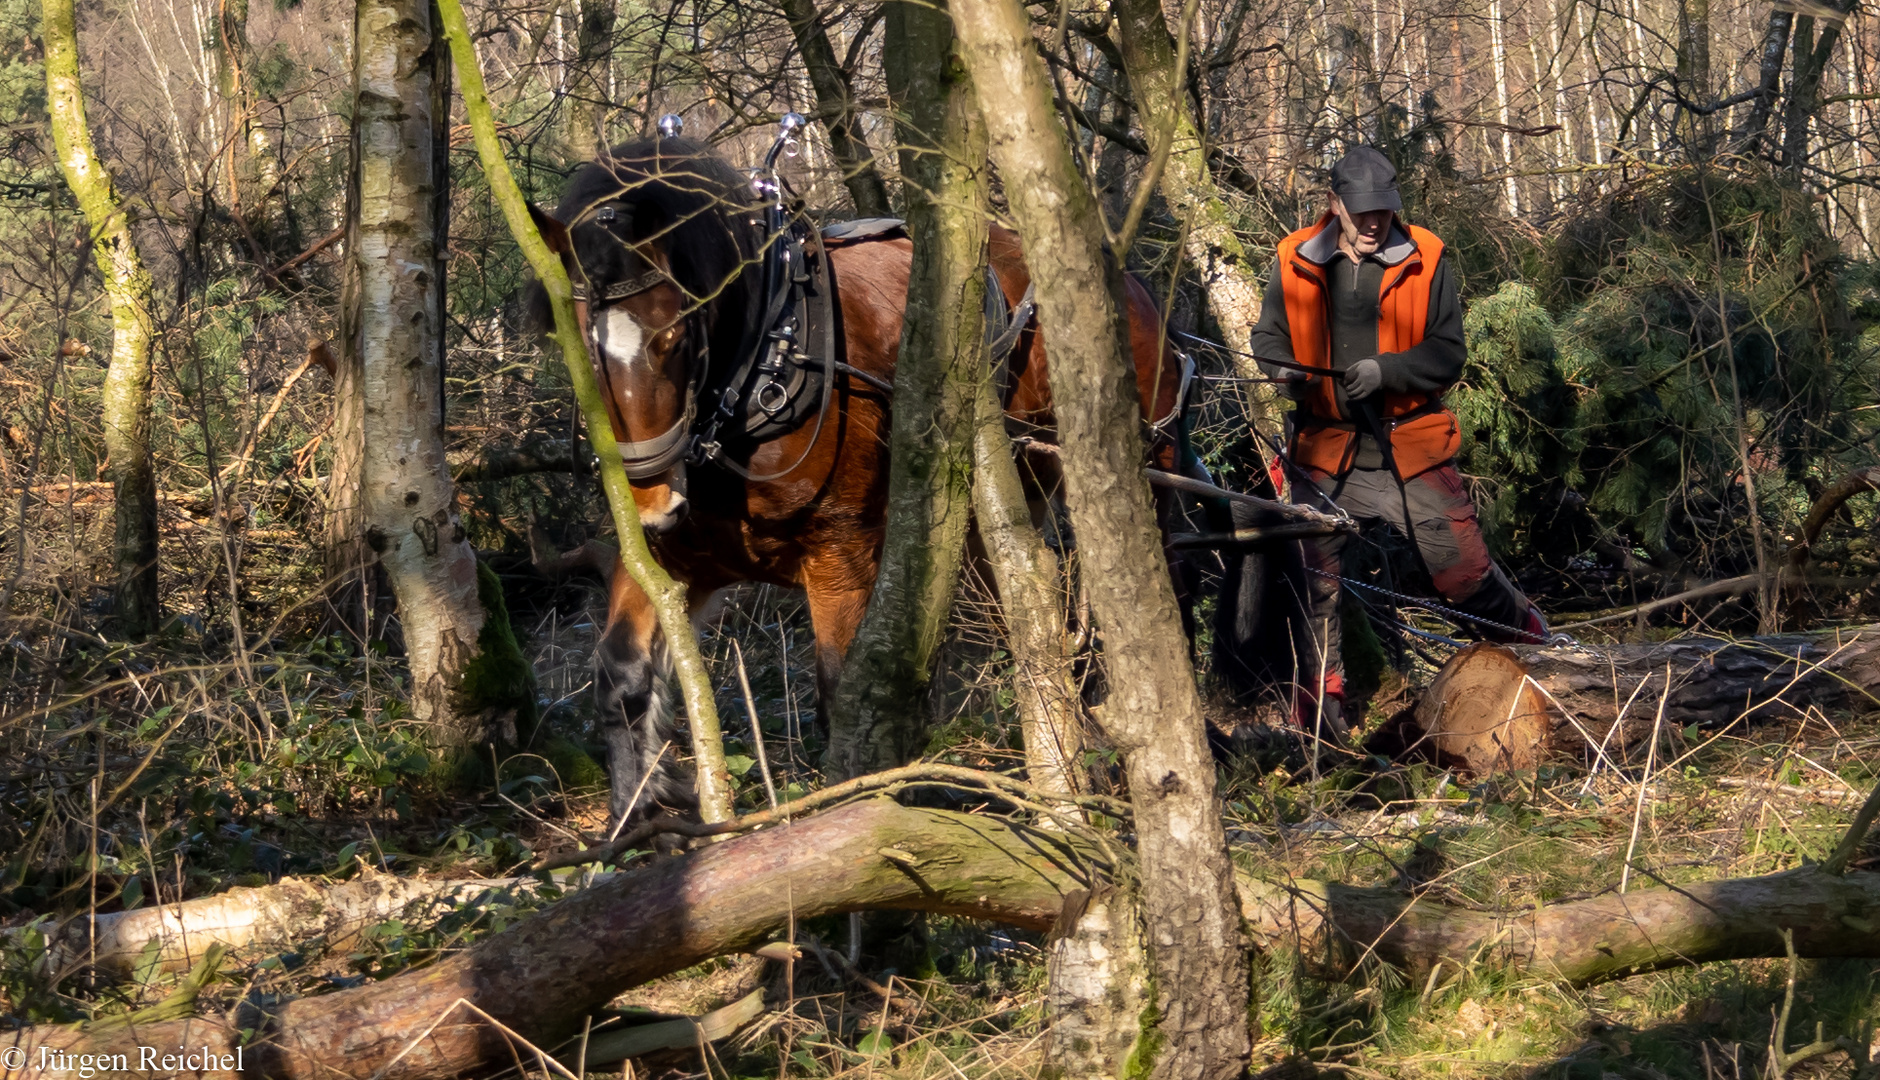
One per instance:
(1464, 570)
(1277, 474)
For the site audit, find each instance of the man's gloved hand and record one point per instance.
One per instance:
(1363, 378)
(1284, 376)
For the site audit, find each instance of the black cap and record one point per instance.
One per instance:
(1365, 180)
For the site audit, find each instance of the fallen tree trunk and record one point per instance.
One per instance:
(1711, 681)
(540, 978)
(1492, 707)
(291, 912)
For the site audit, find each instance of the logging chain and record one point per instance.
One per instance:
(1052, 806)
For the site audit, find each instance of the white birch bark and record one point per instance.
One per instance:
(1590, 36)
(1499, 54)
(395, 324)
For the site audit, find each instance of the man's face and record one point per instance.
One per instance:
(1362, 234)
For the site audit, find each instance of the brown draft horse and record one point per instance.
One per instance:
(668, 240)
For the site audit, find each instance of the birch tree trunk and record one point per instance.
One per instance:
(835, 101)
(1153, 713)
(350, 576)
(1498, 61)
(395, 323)
(1026, 571)
(1588, 34)
(875, 717)
(127, 287)
(1212, 246)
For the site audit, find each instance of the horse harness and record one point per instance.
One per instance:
(785, 372)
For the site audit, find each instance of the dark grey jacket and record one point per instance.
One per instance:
(1429, 367)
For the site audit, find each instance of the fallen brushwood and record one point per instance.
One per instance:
(532, 985)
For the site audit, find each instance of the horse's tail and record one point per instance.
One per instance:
(1261, 636)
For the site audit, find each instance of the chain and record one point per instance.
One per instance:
(1460, 618)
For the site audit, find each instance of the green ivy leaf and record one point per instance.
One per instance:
(874, 1043)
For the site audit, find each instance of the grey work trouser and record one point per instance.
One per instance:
(1441, 519)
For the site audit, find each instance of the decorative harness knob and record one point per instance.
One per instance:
(671, 125)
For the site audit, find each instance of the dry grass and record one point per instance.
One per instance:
(178, 768)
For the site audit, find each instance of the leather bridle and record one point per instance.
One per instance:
(761, 359)
(644, 458)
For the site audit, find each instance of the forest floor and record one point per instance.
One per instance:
(150, 774)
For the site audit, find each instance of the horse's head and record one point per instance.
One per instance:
(654, 236)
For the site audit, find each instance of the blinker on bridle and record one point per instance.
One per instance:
(619, 290)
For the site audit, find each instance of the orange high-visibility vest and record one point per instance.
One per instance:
(1423, 434)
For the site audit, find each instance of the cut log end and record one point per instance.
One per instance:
(1484, 714)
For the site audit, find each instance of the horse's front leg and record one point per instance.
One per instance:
(836, 588)
(632, 696)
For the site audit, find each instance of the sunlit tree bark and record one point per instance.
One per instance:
(394, 322)
(1153, 712)
(875, 718)
(127, 287)
(1031, 605)
(1211, 245)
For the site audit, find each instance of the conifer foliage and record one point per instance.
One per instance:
(1609, 390)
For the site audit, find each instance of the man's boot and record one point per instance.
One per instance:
(1535, 626)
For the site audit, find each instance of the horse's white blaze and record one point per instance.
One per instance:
(621, 338)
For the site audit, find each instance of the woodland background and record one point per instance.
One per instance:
(1664, 217)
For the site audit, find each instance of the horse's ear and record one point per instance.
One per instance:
(554, 233)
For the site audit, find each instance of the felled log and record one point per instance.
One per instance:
(540, 978)
(1711, 681)
(1582, 942)
(1572, 696)
(1482, 711)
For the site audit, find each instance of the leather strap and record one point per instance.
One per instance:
(620, 290)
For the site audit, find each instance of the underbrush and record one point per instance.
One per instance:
(150, 774)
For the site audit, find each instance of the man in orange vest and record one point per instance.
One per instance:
(1371, 302)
